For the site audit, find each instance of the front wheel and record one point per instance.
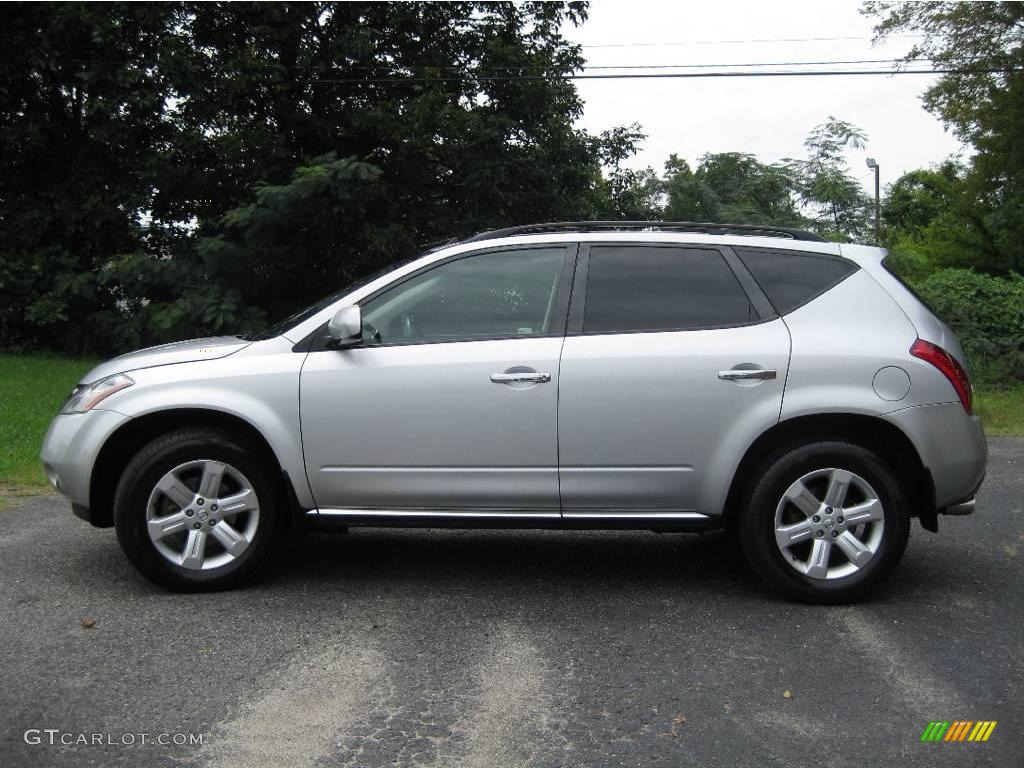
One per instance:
(825, 523)
(195, 510)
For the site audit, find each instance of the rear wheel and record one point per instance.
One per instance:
(825, 522)
(195, 510)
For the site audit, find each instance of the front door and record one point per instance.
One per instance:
(450, 403)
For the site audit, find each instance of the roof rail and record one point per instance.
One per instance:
(704, 227)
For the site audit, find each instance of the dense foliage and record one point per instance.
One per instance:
(816, 192)
(176, 168)
(982, 100)
(987, 314)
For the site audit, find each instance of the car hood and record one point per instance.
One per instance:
(189, 351)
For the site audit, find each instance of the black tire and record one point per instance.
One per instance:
(756, 522)
(158, 458)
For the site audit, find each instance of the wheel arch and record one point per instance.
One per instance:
(131, 436)
(871, 432)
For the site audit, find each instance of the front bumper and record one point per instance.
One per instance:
(70, 448)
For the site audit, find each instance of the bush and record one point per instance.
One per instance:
(987, 315)
(911, 260)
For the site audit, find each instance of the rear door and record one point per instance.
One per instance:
(674, 362)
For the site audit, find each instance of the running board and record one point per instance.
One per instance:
(513, 518)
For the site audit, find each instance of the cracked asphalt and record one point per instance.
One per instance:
(511, 648)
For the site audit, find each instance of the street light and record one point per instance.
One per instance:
(878, 204)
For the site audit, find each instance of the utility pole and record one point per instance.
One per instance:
(878, 203)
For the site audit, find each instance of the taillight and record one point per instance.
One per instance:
(949, 366)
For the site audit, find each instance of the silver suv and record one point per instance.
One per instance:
(648, 375)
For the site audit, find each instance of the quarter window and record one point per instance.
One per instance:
(493, 295)
(648, 288)
(791, 279)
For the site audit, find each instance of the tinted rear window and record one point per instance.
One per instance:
(791, 279)
(650, 288)
(887, 265)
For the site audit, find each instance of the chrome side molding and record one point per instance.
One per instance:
(517, 518)
(431, 514)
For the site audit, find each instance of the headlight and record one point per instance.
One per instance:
(85, 397)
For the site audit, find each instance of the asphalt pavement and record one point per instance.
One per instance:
(510, 648)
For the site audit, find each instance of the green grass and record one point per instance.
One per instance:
(1001, 411)
(32, 389)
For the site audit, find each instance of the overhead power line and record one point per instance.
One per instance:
(744, 65)
(526, 68)
(517, 70)
(782, 73)
(398, 79)
(754, 40)
(377, 73)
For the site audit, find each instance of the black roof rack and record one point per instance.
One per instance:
(703, 227)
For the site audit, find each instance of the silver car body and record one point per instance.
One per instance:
(630, 428)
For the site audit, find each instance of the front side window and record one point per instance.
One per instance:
(498, 294)
(656, 288)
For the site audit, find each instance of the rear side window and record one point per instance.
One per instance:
(650, 288)
(887, 264)
(792, 279)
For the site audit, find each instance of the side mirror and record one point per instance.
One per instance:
(346, 327)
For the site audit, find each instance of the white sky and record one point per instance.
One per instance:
(767, 117)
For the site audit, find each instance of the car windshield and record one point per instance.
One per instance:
(302, 315)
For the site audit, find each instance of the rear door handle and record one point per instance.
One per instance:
(506, 378)
(760, 374)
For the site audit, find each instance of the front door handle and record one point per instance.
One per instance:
(533, 376)
(760, 374)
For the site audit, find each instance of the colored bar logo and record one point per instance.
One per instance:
(958, 730)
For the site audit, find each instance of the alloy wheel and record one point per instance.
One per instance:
(829, 524)
(202, 514)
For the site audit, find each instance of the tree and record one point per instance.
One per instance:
(824, 185)
(82, 113)
(684, 194)
(920, 197)
(741, 189)
(632, 195)
(425, 93)
(327, 208)
(931, 222)
(153, 146)
(625, 193)
(982, 99)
